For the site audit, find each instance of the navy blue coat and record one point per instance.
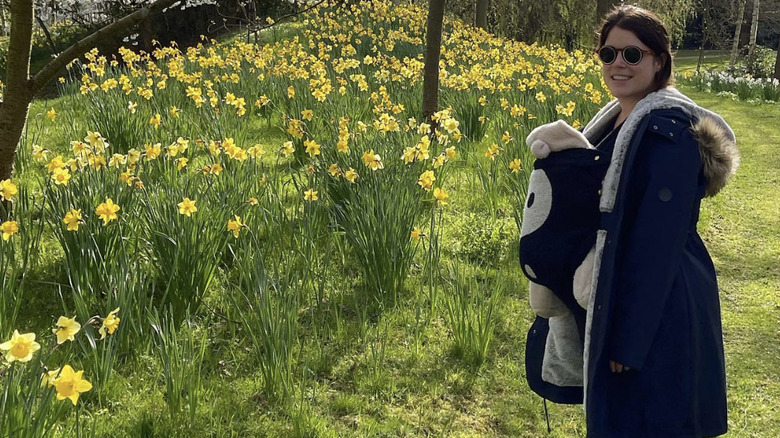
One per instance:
(656, 307)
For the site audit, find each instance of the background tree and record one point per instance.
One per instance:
(480, 17)
(777, 61)
(571, 23)
(432, 54)
(602, 7)
(738, 20)
(753, 35)
(715, 21)
(21, 88)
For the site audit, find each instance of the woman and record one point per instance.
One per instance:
(653, 350)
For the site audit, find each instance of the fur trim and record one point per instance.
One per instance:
(719, 154)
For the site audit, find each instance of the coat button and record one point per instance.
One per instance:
(665, 194)
(671, 134)
(674, 122)
(598, 307)
(655, 127)
(596, 158)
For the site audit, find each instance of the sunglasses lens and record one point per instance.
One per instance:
(632, 55)
(607, 54)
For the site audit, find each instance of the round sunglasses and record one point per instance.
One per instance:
(631, 54)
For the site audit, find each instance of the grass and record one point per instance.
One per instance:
(686, 60)
(432, 393)
(742, 231)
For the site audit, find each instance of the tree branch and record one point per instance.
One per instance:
(46, 32)
(52, 68)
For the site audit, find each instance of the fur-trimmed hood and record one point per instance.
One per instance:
(717, 142)
(719, 153)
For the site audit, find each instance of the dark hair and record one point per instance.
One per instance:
(649, 29)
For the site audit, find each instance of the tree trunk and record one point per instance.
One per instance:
(432, 54)
(737, 33)
(704, 41)
(777, 63)
(20, 89)
(480, 20)
(753, 33)
(18, 93)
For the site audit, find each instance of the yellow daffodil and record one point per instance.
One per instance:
(39, 153)
(152, 151)
(155, 120)
(20, 347)
(110, 324)
(310, 195)
(426, 180)
(307, 114)
(107, 211)
(440, 195)
(9, 228)
(492, 151)
(187, 207)
(255, 151)
(351, 175)
(515, 165)
(416, 233)
(52, 114)
(288, 148)
(70, 384)
(372, 160)
(117, 160)
(253, 201)
(72, 219)
(312, 148)
(55, 163)
(8, 190)
(66, 329)
(48, 378)
(61, 177)
(234, 225)
(216, 169)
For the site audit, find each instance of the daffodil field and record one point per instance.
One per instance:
(241, 239)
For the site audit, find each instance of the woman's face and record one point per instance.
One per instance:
(629, 83)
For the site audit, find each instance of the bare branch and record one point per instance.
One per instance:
(46, 32)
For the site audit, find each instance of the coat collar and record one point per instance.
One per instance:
(717, 142)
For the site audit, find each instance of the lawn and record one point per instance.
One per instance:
(296, 333)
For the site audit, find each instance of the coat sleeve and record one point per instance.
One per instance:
(663, 187)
